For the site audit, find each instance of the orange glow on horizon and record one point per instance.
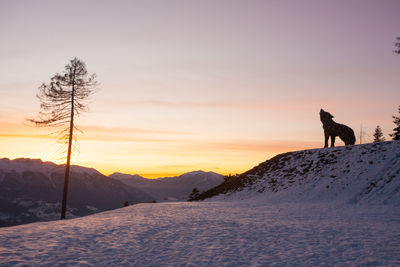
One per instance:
(150, 158)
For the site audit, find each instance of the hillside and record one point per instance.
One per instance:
(178, 187)
(367, 173)
(31, 190)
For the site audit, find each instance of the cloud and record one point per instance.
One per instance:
(276, 105)
(180, 140)
(120, 130)
(37, 136)
(275, 146)
(288, 104)
(90, 132)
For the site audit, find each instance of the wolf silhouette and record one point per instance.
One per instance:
(333, 129)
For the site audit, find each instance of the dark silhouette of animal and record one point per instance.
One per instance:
(333, 129)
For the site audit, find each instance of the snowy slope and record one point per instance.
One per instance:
(247, 233)
(178, 187)
(31, 190)
(367, 173)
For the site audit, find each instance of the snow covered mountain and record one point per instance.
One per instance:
(178, 187)
(31, 190)
(368, 174)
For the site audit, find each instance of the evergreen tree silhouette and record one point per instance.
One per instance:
(378, 135)
(396, 131)
(397, 45)
(195, 193)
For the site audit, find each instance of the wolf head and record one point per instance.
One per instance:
(325, 116)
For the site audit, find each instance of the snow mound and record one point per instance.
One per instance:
(367, 174)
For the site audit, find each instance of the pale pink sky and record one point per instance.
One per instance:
(214, 85)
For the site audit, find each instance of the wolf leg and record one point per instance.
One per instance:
(326, 139)
(333, 141)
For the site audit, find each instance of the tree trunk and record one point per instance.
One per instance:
(67, 166)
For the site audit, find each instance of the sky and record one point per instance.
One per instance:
(199, 85)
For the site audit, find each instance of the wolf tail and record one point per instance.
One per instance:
(353, 138)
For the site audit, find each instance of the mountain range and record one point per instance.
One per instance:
(172, 188)
(31, 190)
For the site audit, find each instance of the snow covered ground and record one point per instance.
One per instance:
(245, 233)
(367, 174)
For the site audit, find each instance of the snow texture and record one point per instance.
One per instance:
(247, 233)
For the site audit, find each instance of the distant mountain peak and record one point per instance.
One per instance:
(198, 172)
(177, 187)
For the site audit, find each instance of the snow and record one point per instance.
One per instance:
(361, 174)
(246, 233)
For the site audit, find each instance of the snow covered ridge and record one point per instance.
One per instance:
(367, 174)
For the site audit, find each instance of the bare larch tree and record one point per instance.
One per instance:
(63, 99)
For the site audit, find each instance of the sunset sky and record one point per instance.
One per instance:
(188, 85)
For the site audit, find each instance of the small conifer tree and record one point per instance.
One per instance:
(397, 44)
(396, 131)
(195, 193)
(378, 135)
